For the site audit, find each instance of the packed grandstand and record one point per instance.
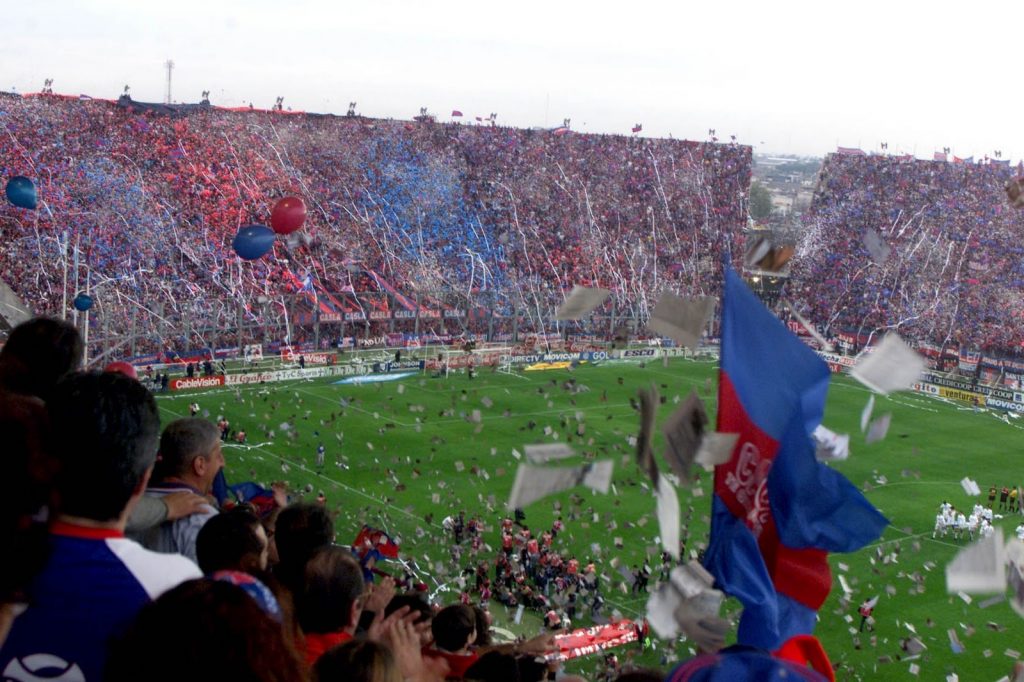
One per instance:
(461, 230)
(477, 219)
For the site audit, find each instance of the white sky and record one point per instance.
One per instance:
(798, 76)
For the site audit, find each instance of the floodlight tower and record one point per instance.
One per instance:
(169, 65)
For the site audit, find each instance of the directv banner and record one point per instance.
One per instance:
(522, 359)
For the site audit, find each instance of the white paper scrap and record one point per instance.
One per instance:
(865, 415)
(682, 320)
(878, 429)
(580, 301)
(533, 483)
(979, 567)
(877, 248)
(538, 454)
(716, 448)
(825, 345)
(668, 516)
(970, 486)
(830, 445)
(891, 366)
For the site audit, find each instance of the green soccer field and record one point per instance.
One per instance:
(414, 450)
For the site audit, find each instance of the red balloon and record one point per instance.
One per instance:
(288, 215)
(122, 367)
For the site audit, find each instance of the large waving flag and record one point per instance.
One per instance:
(777, 511)
(371, 540)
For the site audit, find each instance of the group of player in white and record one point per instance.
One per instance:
(950, 520)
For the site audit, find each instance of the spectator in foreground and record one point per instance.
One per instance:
(37, 354)
(496, 666)
(190, 458)
(397, 658)
(454, 630)
(23, 430)
(300, 530)
(330, 601)
(104, 429)
(232, 541)
(358, 661)
(204, 631)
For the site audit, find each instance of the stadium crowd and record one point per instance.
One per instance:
(954, 266)
(452, 214)
(126, 562)
(110, 544)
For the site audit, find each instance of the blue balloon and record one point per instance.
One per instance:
(82, 302)
(252, 241)
(21, 192)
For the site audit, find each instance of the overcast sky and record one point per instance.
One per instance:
(792, 76)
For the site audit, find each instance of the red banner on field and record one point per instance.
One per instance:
(592, 640)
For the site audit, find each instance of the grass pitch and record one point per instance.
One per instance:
(404, 453)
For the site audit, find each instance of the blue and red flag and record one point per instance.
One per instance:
(372, 540)
(776, 511)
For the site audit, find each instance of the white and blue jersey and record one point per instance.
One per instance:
(93, 585)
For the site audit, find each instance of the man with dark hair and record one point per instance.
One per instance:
(37, 354)
(330, 600)
(190, 458)
(232, 541)
(300, 530)
(104, 433)
(454, 630)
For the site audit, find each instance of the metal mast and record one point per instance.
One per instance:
(170, 67)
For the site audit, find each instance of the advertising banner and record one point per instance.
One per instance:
(195, 382)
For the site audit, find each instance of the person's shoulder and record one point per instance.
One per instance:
(156, 572)
(204, 514)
